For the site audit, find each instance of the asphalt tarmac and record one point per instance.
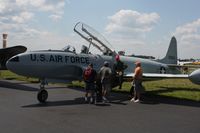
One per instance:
(66, 112)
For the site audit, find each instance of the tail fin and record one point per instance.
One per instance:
(171, 56)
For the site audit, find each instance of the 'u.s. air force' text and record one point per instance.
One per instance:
(59, 59)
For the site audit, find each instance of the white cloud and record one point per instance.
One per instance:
(190, 28)
(55, 17)
(23, 11)
(6, 6)
(188, 37)
(22, 2)
(18, 19)
(129, 21)
(34, 3)
(37, 40)
(37, 3)
(52, 6)
(23, 17)
(127, 30)
(2, 6)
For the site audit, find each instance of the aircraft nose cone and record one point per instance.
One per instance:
(195, 76)
(11, 63)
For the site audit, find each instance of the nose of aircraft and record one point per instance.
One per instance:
(12, 62)
(195, 76)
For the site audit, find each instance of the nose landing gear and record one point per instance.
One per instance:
(42, 93)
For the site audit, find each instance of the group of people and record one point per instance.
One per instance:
(90, 78)
(102, 79)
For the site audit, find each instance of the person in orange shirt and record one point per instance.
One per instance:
(137, 82)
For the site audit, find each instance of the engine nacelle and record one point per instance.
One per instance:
(195, 76)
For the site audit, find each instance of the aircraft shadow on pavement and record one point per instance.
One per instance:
(76, 101)
(119, 98)
(17, 86)
(81, 89)
(115, 98)
(147, 99)
(123, 98)
(154, 98)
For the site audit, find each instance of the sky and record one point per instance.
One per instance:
(140, 27)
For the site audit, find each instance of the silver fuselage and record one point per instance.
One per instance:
(54, 64)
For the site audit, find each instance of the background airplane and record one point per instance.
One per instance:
(67, 65)
(7, 53)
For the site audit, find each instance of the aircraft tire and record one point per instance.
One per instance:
(42, 96)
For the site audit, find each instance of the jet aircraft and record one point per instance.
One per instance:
(67, 65)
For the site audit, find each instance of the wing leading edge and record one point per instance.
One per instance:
(158, 76)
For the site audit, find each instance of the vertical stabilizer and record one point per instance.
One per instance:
(171, 56)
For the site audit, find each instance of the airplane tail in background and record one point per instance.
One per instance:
(171, 56)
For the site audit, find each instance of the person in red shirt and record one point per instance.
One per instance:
(89, 76)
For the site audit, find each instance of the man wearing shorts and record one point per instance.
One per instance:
(105, 74)
(89, 76)
(137, 82)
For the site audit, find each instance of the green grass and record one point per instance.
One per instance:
(8, 75)
(176, 88)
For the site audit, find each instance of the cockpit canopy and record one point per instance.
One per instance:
(94, 38)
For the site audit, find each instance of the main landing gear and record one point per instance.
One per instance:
(42, 93)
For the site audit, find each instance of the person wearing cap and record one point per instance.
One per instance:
(119, 68)
(105, 75)
(89, 76)
(137, 81)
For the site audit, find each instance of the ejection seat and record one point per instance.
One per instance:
(69, 48)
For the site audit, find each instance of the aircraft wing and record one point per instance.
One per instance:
(7, 53)
(182, 66)
(156, 76)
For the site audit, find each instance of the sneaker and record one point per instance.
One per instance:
(95, 102)
(132, 99)
(104, 98)
(86, 99)
(91, 100)
(136, 101)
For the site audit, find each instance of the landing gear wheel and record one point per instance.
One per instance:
(42, 96)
